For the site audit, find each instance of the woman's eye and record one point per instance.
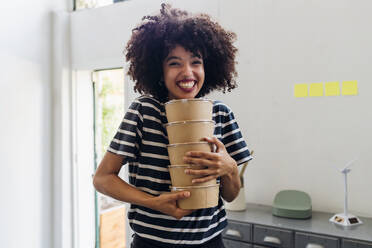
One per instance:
(197, 62)
(173, 63)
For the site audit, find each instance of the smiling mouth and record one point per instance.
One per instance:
(189, 84)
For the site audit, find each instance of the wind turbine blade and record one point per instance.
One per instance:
(350, 163)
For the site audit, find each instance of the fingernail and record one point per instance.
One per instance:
(187, 194)
(187, 171)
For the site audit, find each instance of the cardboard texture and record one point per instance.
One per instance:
(189, 131)
(189, 121)
(200, 196)
(189, 109)
(180, 179)
(176, 152)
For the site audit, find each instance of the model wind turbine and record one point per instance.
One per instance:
(346, 219)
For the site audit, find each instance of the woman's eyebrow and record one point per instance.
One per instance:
(172, 57)
(196, 56)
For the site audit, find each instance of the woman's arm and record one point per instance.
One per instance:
(107, 181)
(220, 164)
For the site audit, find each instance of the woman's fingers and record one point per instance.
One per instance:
(179, 195)
(218, 163)
(167, 203)
(203, 172)
(200, 154)
(216, 141)
(200, 161)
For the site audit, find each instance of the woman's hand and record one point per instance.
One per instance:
(107, 181)
(167, 204)
(219, 163)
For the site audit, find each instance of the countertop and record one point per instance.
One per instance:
(318, 224)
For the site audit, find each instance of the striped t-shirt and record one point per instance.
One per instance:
(142, 139)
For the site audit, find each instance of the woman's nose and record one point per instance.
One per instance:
(187, 70)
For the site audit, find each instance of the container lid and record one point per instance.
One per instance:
(194, 187)
(189, 99)
(185, 122)
(188, 143)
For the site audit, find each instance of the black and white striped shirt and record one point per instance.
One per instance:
(142, 139)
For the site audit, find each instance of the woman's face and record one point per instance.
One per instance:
(183, 73)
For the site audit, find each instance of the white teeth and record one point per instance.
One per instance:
(187, 85)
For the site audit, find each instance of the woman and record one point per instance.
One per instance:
(174, 55)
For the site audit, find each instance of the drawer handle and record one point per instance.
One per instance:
(234, 233)
(311, 245)
(273, 240)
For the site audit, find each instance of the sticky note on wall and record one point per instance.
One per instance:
(316, 89)
(349, 88)
(300, 90)
(332, 88)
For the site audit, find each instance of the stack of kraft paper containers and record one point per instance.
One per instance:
(190, 120)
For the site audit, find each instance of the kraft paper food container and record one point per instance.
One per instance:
(177, 151)
(189, 109)
(180, 179)
(189, 131)
(200, 196)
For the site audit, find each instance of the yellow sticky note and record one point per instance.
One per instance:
(316, 89)
(350, 88)
(300, 90)
(332, 88)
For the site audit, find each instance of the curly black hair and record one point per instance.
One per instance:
(157, 35)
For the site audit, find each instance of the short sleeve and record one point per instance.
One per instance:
(233, 139)
(127, 140)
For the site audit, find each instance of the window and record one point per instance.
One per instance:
(89, 4)
(98, 108)
(108, 101)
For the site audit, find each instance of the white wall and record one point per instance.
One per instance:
(25, 126)
(99, 35)
(299, 143)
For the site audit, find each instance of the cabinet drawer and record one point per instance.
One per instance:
(272, 236)
(355, 244)
(235, 244)
(305, 240)
(238, 231)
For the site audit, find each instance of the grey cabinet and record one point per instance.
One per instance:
(237, 235)
(355, 244)
(251, 235)
(238, 231)
(305, 240)
(274, 237)
(256, 226)
(235, 244)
